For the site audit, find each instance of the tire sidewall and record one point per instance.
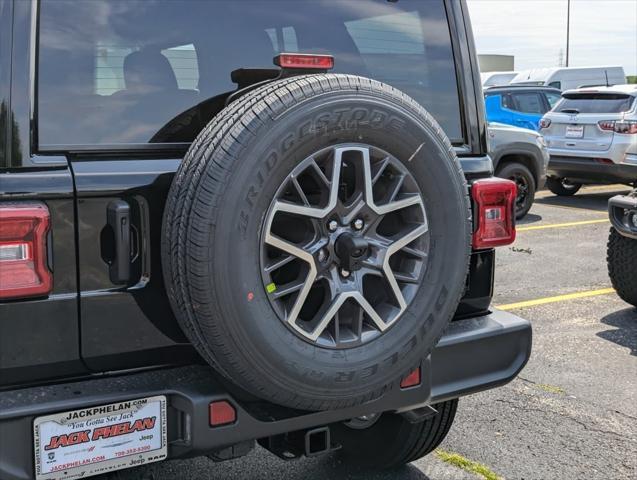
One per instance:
(508, 170)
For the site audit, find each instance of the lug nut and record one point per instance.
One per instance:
(358, 224)
(322, 255)
(332, 225)
(345, 273)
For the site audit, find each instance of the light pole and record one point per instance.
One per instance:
(568, 27)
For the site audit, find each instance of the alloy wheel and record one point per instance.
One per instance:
(344, 245)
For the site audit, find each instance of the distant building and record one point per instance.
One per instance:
(496, 63)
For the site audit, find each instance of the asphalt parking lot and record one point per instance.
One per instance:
(571, 414)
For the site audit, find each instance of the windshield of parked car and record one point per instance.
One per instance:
(595, 103)
(116, 72)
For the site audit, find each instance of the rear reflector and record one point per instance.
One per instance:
(545, 123)
(411, 380)
(222, 413)
(495, 212)
(304, 61)
(23, 263)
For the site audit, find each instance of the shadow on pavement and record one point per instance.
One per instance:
(260, 465)
(340, 472)
(585, 201)
(528, 219)
(625, 334)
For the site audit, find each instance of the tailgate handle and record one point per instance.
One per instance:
(118, 218)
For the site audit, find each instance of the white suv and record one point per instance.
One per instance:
(591, 134)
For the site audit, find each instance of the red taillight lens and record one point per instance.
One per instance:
(411, 380)
(222, 413)
(625, 127)
(628, 127)
(23, 266)
(305, 61)
(545, 123)
(495, 212)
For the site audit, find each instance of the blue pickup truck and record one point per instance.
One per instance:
(521, 106)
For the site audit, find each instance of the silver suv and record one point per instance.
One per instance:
(591, 134)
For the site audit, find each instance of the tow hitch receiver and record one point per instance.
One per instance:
(309, 443)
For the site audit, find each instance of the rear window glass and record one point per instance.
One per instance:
(529, 102)
(595, 103)
(124, 72)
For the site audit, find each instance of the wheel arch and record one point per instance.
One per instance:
(524, 157)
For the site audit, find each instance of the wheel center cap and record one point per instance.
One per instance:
(351, 250)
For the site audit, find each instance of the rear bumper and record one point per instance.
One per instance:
(589, 170)
(475, 354)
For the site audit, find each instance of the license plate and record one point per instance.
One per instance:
(100, 439)
(574, 131)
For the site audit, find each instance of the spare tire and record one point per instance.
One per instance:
(316, 240)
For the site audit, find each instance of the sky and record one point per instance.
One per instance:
(603, 32)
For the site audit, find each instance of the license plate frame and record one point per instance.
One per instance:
(574, 131)
(100, 439)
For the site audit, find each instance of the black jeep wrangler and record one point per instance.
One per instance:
(202, 247)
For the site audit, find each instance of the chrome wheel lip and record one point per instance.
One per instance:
(350, 286)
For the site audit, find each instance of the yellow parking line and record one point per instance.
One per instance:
(584, 190)
(575, 209)
(558, 298)
(561, 225)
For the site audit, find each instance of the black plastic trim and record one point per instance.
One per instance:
(587, 170)
(620, 208)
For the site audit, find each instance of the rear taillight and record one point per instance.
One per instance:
(627, 127)
(545, 123)
(304, 61)
(495, 212)
(23, 258)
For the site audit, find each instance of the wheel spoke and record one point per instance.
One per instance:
(279, 263)
(380, 171)
(288, 288)
(414, 252)
(405, 278)
(393, 248)
(320, 173)
(396, 189)
(300, 191)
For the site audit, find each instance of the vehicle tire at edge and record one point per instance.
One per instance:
(510, 171)
(557, 186)
(622, 265)
(392, 441)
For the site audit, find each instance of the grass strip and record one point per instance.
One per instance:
(464, 463)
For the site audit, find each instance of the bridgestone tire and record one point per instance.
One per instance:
(392, 441)
(557, 186)
(212, 236)
(622, 265)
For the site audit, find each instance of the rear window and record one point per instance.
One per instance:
(117, 72)
(595, 103)
(528, 102)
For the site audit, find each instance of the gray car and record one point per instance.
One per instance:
(519, 154)
(592, 138)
